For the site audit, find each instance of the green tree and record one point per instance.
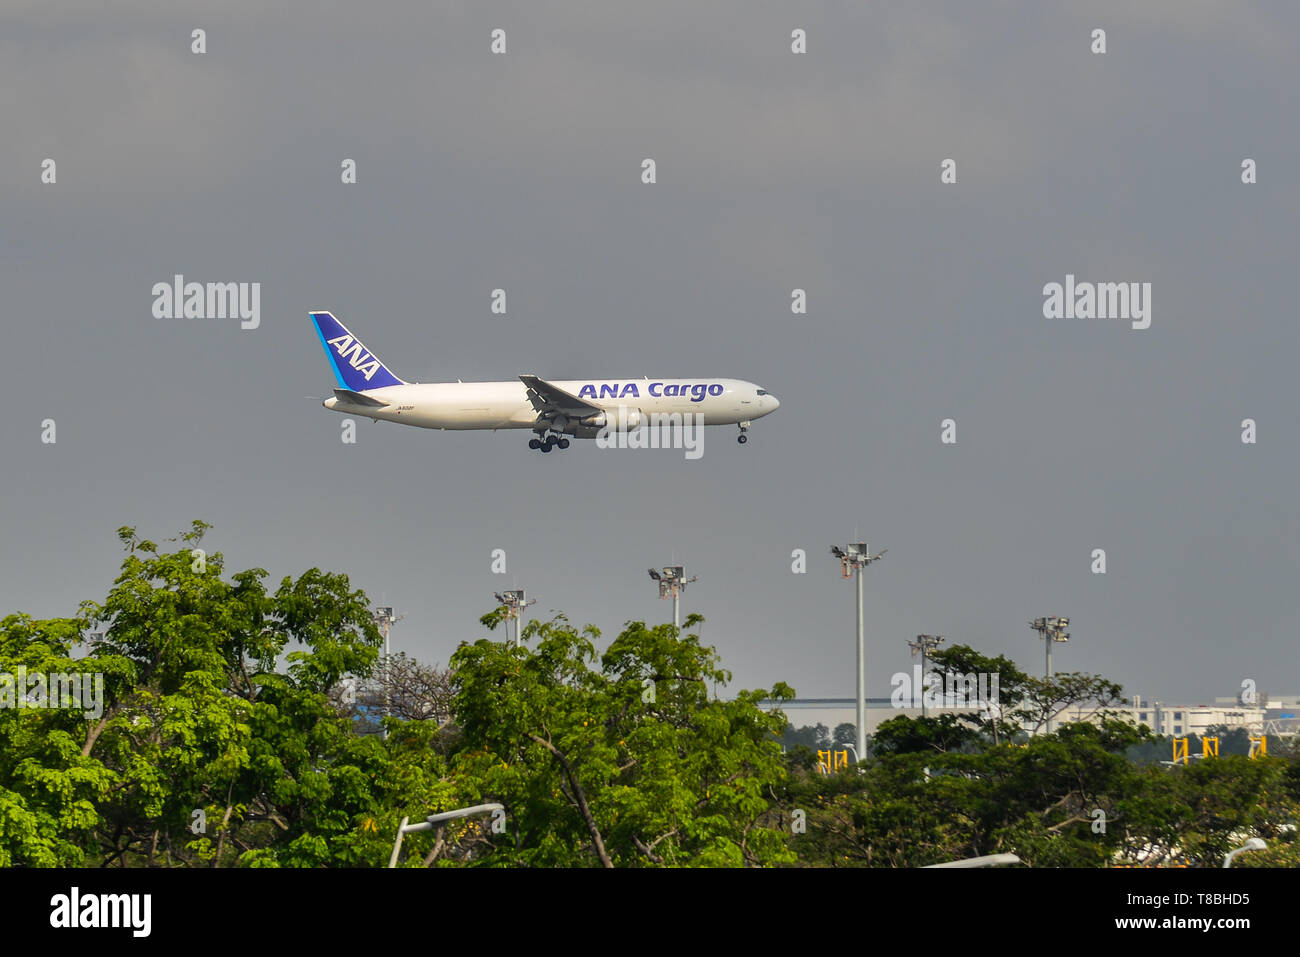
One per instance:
(917, 806)
(813, 737)
(845, 733)
(204, 751)
(619, 759)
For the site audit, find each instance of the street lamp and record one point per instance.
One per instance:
(1254, 844)
(855, 557)
(672, 581)
(433, 819)
(1051, 629)
(990, 860)
(924, 644)
(849, 747)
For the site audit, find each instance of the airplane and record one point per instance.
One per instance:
(553, 410)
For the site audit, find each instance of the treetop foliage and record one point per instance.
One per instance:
(237, 726)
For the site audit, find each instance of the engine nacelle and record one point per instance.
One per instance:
(590, 427)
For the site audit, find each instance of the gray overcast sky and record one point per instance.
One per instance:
(775, 171)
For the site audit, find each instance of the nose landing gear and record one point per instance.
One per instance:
(742, 438)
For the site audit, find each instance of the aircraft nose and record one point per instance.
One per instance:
(776, 403)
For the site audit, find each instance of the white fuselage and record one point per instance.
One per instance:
(505, 405)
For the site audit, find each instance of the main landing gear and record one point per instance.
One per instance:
(549, 442)
(742, 438)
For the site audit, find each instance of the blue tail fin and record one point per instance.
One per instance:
(355, 367)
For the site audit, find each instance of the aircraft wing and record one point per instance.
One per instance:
(548, 399)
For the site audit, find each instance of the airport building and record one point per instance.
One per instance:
(831, 712)
(1178, 720)
(1278, 715)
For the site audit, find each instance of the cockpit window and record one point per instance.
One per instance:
(762, 392)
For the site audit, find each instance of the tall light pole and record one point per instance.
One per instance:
(672, 581)
(383, 617)
(1051, 629)
(515, 600)
(924, 644)
(857, 556)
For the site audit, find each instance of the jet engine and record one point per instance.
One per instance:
(590, 427)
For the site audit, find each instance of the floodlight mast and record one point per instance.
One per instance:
(672, 581)
(515, 600)
(383, 617)
(1051, 629)
(924, 644)
(855, 557)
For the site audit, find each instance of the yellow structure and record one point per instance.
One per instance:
(831, 761)
(1210, 747)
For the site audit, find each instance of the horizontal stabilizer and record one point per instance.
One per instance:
(356, 398)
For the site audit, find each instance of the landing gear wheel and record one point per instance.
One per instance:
(563, 443)
(742, 438)
(548, 445)
(534, 444)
